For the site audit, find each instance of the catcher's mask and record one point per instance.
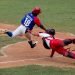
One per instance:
(50, 31)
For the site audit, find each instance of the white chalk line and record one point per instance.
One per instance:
(4, 54)
(2, 50)
(31, 59)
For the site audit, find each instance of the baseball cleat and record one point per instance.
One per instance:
(32, 45)
(9, 33)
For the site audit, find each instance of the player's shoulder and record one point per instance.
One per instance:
(37, 20)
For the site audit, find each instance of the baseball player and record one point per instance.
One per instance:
(57, 45)
(27, 24)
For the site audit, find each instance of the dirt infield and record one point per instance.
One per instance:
(20, 54)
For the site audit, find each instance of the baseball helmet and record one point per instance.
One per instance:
(50, 31)
(36, 10)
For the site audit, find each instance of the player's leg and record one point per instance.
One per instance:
(67, 42)
(70, 55)
(9, 33)
(58, 45)
(66, 53)
(31, 43)
(16, 32)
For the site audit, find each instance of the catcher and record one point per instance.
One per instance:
(57, 45)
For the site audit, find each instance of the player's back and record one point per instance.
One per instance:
(28, 21)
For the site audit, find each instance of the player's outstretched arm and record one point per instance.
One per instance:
(42, 27)
(52, 53)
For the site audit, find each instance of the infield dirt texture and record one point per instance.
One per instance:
(20, 53)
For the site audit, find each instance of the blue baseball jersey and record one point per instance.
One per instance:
(28, 21)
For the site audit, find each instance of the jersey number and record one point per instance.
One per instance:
(27, 21)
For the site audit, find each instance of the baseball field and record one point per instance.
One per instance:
(16, 57)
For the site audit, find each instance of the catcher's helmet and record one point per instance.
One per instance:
(36, 11)
(51, 31)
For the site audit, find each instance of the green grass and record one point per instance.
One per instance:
(37, 70)
(5, 40)
(58, 14)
